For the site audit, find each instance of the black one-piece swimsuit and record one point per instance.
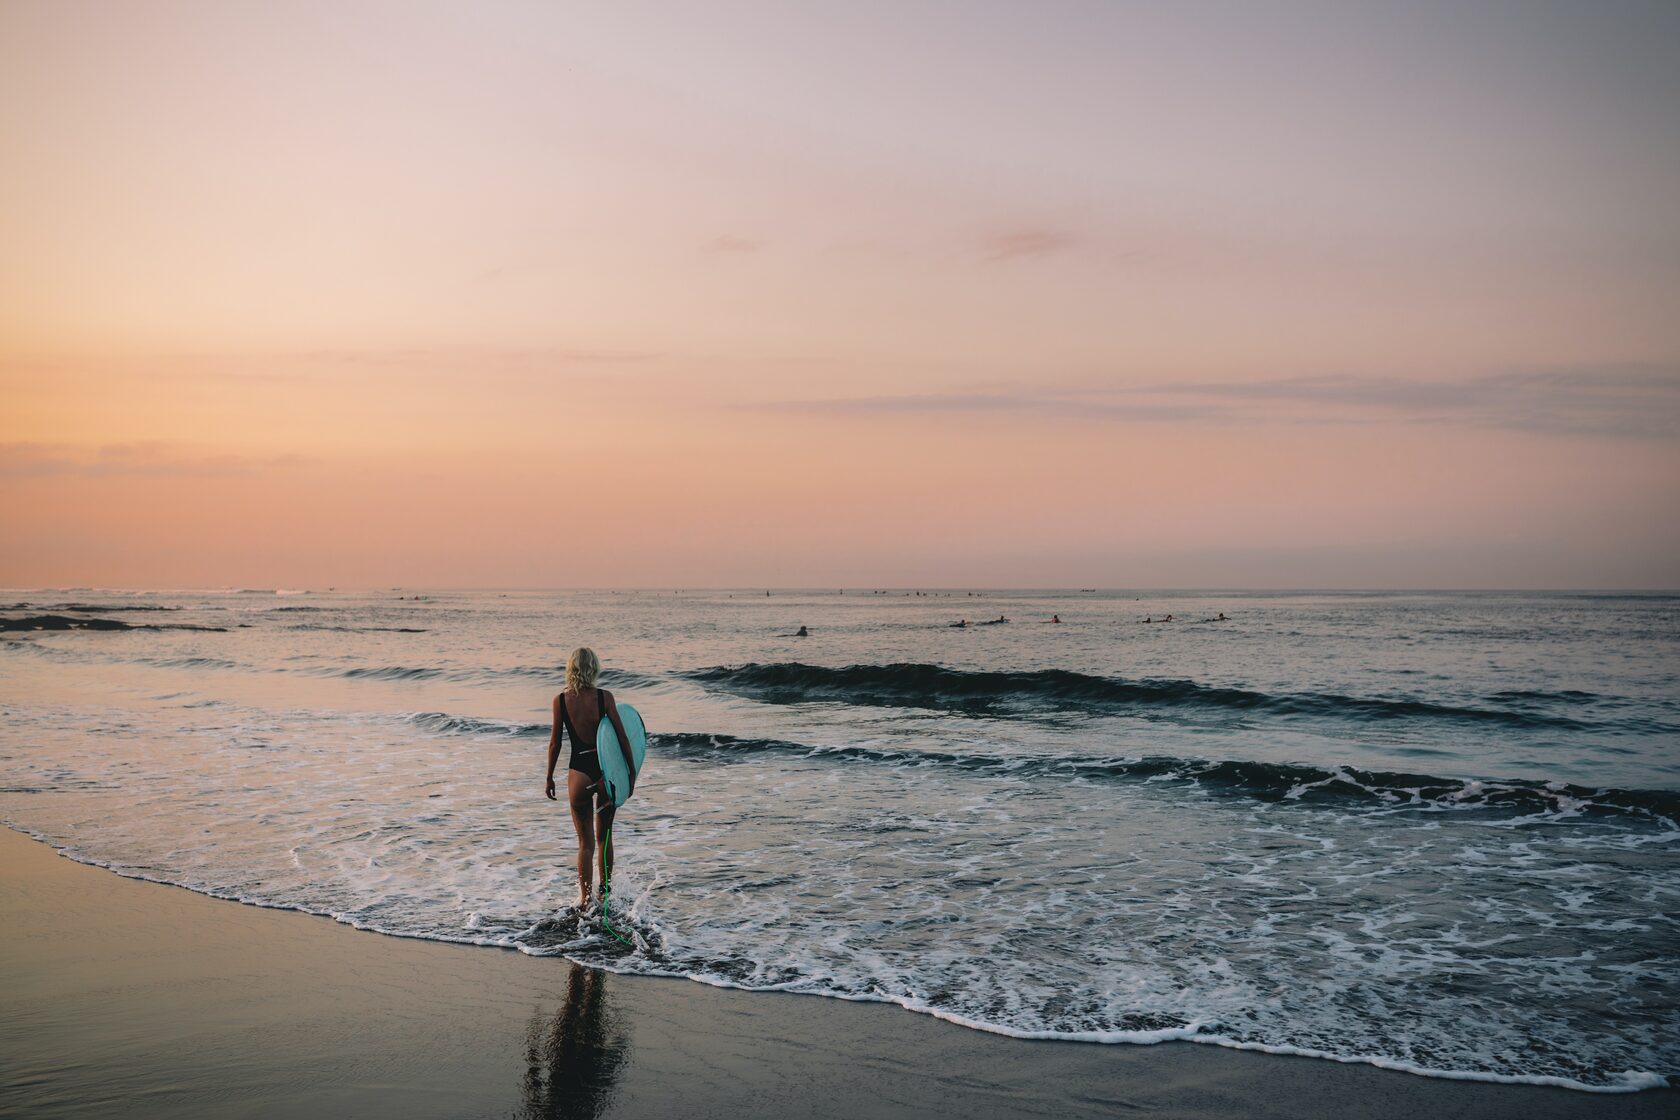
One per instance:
(584, 759)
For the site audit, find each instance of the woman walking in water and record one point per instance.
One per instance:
(579, 710)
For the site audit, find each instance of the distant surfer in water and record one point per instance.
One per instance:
(579, 710)
(803, 633)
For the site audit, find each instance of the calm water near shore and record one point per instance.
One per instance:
(1439, 832)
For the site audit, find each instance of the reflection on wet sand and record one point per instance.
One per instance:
(572, 1061)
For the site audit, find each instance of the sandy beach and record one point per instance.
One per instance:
(121, 995)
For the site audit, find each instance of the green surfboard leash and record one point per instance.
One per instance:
(606, 893)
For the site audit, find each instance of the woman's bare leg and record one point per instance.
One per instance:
(583, 820)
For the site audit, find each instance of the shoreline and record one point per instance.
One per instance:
(131, 993)
(1636, 1083)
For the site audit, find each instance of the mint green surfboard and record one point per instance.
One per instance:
(607, 751)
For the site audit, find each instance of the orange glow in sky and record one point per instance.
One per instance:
(1060, 294)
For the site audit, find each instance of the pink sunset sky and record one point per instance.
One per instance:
(842, 294)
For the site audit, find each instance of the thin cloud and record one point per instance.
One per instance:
(294, 365)
(1614, 402)
(473, 356)
(150, 460)
(606, 355)
(1022, 242)
(1049, 404)
(921, 402)
(1622, 403)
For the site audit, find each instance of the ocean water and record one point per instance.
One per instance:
(1434, 832)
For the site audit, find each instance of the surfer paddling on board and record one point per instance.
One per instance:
(579, 711)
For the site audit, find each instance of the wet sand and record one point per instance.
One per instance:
(126, 996)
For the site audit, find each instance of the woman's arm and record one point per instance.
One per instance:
(553, 751)
(611, 706)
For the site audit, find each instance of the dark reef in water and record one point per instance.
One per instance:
(1297, 783)
(982, 693)
(1263, 781)
(62, 622)
(65, 622)
(89, 608)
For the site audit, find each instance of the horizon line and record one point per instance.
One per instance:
(231, 589)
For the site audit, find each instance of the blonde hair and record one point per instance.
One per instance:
(582, 667)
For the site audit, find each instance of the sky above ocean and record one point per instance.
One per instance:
(1066, 294)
